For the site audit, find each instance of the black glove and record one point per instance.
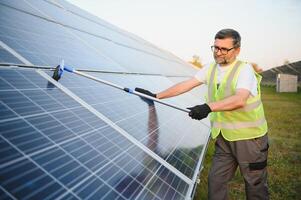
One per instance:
(200, 111)
(143, 91)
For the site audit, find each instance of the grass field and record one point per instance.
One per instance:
(283, 113)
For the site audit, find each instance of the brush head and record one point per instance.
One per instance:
(57, 73)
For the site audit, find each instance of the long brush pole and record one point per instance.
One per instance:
(59, 70)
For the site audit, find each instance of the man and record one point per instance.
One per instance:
(237, 118)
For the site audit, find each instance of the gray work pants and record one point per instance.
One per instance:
(251, 157)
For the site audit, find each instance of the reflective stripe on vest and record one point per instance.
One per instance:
(243, 123)
(250, 106)
(238, 125)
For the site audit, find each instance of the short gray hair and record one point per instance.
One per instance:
(229, 33)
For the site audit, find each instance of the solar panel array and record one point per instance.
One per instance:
(79, 139)
(269, 77)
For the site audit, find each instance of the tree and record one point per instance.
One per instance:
(256, 68)
(196, 61)
(286, 62)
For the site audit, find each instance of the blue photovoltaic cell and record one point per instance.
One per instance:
(24, 180)
(24, 136)
(4, 195)
(4, 85)
(6, 57)
(7, 153)
(5, 112)
(69, 153)
(16, 80)
(19, 103)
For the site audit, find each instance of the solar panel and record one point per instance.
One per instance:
(49, 153)
(134, 115)
(78, 139)
(45, 41)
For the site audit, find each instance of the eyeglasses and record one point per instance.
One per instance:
(223, 50)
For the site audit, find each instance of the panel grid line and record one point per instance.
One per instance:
(7, 193)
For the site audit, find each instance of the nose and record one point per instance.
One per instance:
(219, 52)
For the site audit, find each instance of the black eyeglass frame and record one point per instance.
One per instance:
(224, 51)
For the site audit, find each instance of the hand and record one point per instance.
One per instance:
(200, 111)
(143, 91)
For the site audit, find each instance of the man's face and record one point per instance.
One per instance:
(224, 57)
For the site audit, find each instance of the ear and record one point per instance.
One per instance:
(237, 51)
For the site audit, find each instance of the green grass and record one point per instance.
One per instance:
(283, 113)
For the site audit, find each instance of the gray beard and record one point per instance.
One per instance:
(223, 62)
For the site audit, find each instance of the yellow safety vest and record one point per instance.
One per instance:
(240, 124)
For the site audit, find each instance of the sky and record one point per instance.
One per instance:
(270, 29)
